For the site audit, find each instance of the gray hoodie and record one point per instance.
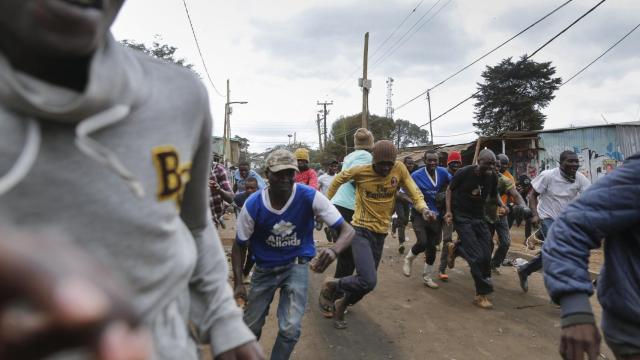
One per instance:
(123, 168)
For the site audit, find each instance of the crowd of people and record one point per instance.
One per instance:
(109, 208)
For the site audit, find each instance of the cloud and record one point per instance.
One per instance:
(320, 40)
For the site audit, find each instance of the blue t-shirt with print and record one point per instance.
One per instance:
(277, 237)
(431, 187)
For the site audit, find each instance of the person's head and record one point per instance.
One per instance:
(502, 162)
(409, 163)
(216, 158)
(302, 155)
(243, 169)
(332, 169)
(486, 161)
(454, 161)
(55, 29)
(431, 160)
(569, 162)
(251, 185)
(281, 167)
(363, 139)
(384, 157)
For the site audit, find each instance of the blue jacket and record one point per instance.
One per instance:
(609, 209)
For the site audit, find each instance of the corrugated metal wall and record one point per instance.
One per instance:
(628, 139)
(600, 149)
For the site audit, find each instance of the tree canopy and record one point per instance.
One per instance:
(343, 129)
(406, 134)
(513, 94)
(158, 50)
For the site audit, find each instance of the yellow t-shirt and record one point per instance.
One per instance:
(376, 195)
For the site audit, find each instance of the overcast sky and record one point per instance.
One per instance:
(284, 55)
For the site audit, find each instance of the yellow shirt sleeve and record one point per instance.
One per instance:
(412, 190)
(341, 178)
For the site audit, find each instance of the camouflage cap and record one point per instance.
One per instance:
(281, 160)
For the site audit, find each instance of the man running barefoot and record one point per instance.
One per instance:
(466, 196)
(498, 219)
(376, 187)
(277, 223)
(430, 180)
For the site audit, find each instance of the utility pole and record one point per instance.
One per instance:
(365, 84)
(324, 117)
(226, 145)
(294, 138)
(226, 137)
(319, 132)
(389, 109)
(430, 125)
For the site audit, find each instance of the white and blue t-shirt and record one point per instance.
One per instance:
(277, 237)
(431, 187)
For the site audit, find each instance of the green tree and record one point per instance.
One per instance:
(513, 94)
(158, 50)
(343, 129)
(406, 134)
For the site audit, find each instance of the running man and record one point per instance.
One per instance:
(376, 187)
(467, 194)
(430, 180)
(325, 179)
(551, 192)
(402, 210)
(454, 162)
(497, 218)
(277, 224)
(609, 210)
(91, 145)
(305, 174)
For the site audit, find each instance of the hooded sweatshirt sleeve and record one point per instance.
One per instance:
(213, 309)
(608, 207)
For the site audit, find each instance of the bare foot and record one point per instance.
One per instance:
(340, 306)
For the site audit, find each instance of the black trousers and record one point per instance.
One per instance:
(428, 235)
(345, 265)
(400, 223)
(475, 247)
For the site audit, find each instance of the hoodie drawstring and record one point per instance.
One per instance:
(85, 144)
(26, 159)
(99, 152)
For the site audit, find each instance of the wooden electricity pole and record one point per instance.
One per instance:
(319, 133)
(365, 84)
(324, 117)
(226, 143)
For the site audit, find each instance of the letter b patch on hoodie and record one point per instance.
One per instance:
(172, 175)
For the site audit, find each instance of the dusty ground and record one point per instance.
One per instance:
(402, 319)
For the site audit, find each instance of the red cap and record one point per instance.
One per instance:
(454, 156)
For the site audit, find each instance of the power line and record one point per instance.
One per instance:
(525, 58)
(601, 55)
(393, 47)
(484, 56)
(397, 28)
(454, 135)
(204, 65)
(378, 48)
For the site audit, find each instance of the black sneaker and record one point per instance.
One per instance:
(401, 249)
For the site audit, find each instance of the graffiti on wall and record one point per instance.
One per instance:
(593, 164)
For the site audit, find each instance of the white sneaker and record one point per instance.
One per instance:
(406, 267)
(428, 282)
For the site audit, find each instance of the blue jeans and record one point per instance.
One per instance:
(293, 281)
(536, 263)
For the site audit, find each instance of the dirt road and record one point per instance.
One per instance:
(403, 319)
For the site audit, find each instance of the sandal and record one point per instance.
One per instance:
(325, 300)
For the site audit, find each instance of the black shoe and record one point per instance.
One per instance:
(401, 249)
(524, 281)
